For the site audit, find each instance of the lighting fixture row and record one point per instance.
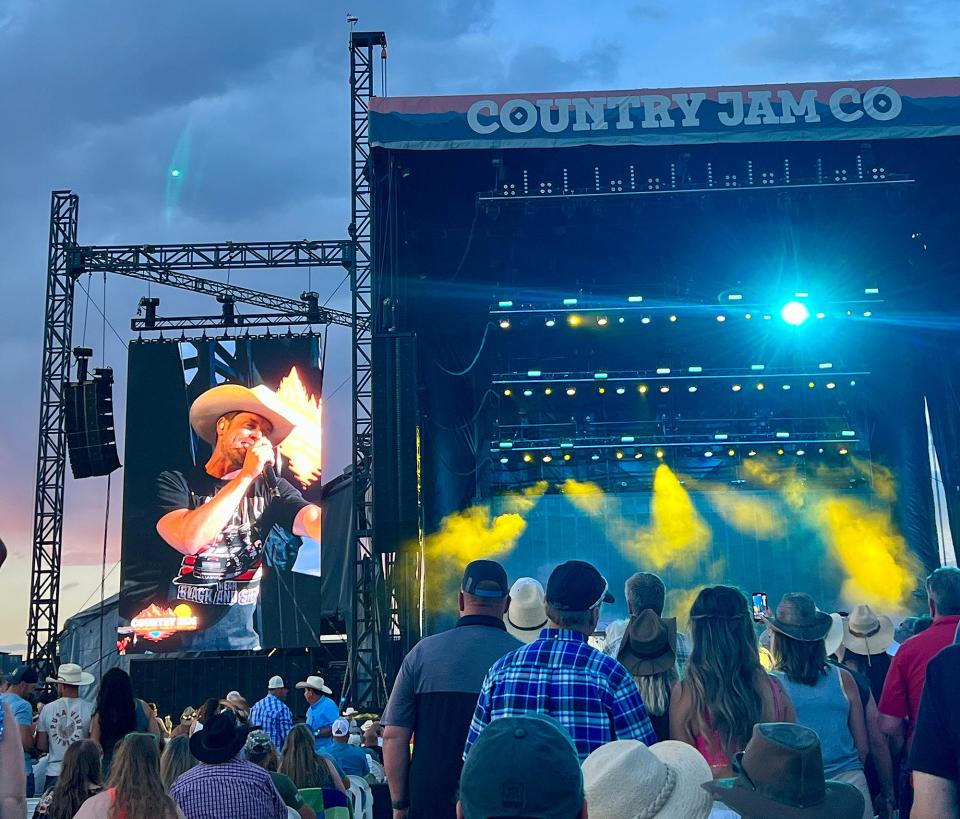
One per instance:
(660, 454)
(643, 389)
(728, 297)
(603, 319)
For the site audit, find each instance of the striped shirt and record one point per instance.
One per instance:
(273, 716)
(559, 674)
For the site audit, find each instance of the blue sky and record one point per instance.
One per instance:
(105, 97)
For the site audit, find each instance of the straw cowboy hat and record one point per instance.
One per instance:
(212, 405)
(625, 779)
(526, 615)
(315, 682)
(71, 674)
(780, 773)
(649, 644)
(866, 632)
(797, 616)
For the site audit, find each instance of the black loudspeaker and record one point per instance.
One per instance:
(395, 422)
(91, 438)
(396, 519)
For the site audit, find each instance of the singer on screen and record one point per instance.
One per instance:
(219, 515)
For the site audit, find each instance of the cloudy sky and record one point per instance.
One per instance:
(251, 100)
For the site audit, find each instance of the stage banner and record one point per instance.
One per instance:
(861, 109)
(217, 554)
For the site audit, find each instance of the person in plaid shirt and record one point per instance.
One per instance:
(560, 675)
(271, 713)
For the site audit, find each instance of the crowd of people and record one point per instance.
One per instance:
(518, 711)
(110, 757)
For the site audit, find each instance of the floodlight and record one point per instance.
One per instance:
(528, 393)
(664, 389)
(504, 324)
(602, 321)
(548, 391)
(795, 313)
(831, 385)
(634, 299)
(547, 458)
(760, 385)
(692, 388)
(731, 452)
(527, 457)
(621, 390)
(642, 389)
(569, 302)
(663, 371)
(504, 460)
(673, 318)
(571, 390)
(595, 457)
(721, 318)
(708, 453)
(801, 452)
(844, 451)
(574, 320)
(619, 454)
(660, 453)
(508, 392)
(551, 321)
(566, 456)
(736, 388)
(645, 320)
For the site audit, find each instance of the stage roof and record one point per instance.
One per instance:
(851, 110)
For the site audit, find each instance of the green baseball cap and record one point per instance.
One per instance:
(522, 766)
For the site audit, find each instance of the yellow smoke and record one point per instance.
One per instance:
(473, 534)
(678, 536)
(879, 568)
(880, 477)
(746, 513)
(585, 495)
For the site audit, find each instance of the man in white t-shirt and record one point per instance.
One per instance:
(64, 721)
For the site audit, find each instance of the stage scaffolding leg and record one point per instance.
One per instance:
(51, 447)
(370, 615)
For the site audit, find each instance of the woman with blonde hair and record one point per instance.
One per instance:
(176, 759)
(725, 691)
(135, 790)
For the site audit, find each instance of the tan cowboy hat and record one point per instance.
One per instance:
(316, 683)
(526, 615)
(866, 632)
(780, 773)
(649, 644)
(71, 674)
(797, 616)
(625, 779)
(834, 637)
(212, 405)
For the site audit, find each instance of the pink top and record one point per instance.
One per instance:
(710, 745)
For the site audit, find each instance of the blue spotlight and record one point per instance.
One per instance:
(795, 313)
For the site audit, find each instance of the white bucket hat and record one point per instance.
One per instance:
(212, 405)
(527, 613)
(866, 632)
(71, 674)
(316, 683)
(625, 779)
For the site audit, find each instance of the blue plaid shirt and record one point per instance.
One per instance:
(274, 717)
(560, 675)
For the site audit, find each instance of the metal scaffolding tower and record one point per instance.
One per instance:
(369, 625)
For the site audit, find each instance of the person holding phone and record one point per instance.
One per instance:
(218, 516)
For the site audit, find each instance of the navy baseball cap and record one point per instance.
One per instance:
(485, 578)
(577, 586)
(23, 674)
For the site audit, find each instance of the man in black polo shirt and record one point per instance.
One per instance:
(435, 694)
(935, 753)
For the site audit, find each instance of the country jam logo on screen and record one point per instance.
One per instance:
(730, 108)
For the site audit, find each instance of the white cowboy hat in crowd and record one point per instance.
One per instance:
(625, 779)
(834, 637)
(71, 674)
(316, 683)
(866, 632)
(212, 405)
(526, 615)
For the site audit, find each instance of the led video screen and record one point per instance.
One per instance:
(221, 525)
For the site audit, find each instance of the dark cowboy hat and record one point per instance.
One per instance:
(220, 739)
(798, 617)
(649, 644)
(781, 774)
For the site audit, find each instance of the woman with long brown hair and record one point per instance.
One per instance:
(80, 778)
(176, 759)
(135, 790)
(302, 764)
(725, 691)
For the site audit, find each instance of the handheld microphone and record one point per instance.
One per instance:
(272, 480)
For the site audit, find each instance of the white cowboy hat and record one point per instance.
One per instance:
(350, 712)
(625, 779)
(316, 683)
(71, 674)
(526, 615)
(835, 636)
(866, 632)
(218, 401)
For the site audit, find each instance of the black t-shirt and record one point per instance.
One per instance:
(227, 572)
(936, 737)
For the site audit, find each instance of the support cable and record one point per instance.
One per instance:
(476, 358)
(103, 569)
